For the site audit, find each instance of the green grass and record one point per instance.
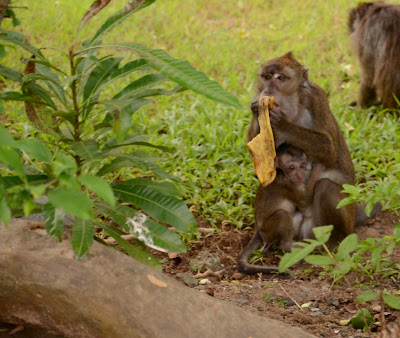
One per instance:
(228, 41)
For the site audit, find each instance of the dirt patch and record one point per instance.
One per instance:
(281, 299)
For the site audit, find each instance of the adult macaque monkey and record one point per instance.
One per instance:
(301, 118)
(374, 31)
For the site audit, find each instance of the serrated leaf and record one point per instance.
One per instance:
(392, 301)
(54, 218)
(366, 296)
(35, 148)
(89, 150)
(5, 212)
(155, 235)
(98, 186)
(137, 251)
(296, 255)
(5, 137)
(181, 72)
(72, 201)
(12, 160)
(15, 96)
(347, 246)
(319, 260)
(323, 233)
(82, 237)
(163, 208)
(12, 181)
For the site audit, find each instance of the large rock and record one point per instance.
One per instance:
(109, 294)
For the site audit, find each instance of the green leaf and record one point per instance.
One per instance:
(5, 137)
(366, 296)
(2, 52)
(362, 317)
(129, 160)
(15, 96)
(155, 235)
(319, 260)
(35, 148)
(163, 208)
(21, 40)
(347, 246)
(123, 119)
(392, 301)
(12, 181)
(119, 17)
(72, 201)
(98, 186)
(350, 189)
(134, 89)
(53, 83)
(10, 74)
(37, 91)
(129, 67)
(64, 165)
(5, 212)
(181, 72)
(345, 201)
(323, 233)
(89, 150)
(166, 188)
(342, 268)
(12, 160)
(296, 255)
(95, 82)
(82, 237)
(137, 251)
(54, 221)
(119, 213)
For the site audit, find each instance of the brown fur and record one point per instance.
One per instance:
(374, 32)
(300, 117)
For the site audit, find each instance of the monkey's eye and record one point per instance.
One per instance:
(268, 76)
(291, 167)
(280, 77)
(302, 165)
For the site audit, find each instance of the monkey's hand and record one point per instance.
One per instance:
(254, 107)
(262, 147)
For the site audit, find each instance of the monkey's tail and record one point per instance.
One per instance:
(251, 269)
(361, 216)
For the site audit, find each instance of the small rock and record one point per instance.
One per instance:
(208, 291)
(289, 301)
(376, 308)
(206, 260)
(237, 275)
(242, 301)
(189, 280)
(316, 314)
(335, 303)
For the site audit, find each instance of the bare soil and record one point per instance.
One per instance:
(282, 299)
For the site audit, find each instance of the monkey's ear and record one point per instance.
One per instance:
(305, 74)
(289, 55)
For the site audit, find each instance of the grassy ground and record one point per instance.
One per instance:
(229, 41)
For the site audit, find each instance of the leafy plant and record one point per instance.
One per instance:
(84, 127)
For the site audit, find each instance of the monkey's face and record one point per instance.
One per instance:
(294, 169)
(282, 78)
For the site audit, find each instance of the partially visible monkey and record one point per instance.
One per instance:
(300, 117)
(374, 31)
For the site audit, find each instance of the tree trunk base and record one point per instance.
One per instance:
(47, 293)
